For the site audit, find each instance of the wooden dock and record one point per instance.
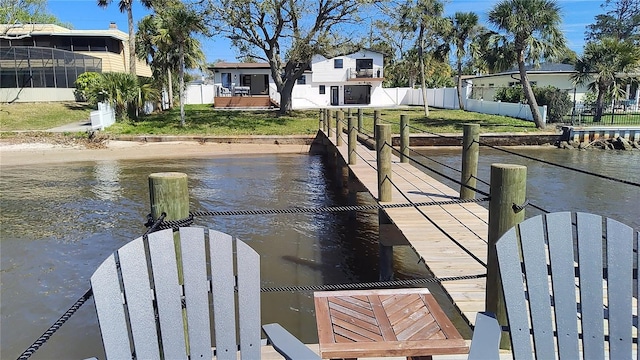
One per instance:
(450, 238)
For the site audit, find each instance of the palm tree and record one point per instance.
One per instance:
(426, 17)
(464, 26)
(604, 65)
(178, 23)
(533, 33)
(125, 6)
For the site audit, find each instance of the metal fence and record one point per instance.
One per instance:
(623, 112)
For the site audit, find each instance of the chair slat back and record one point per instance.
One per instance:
(145, 299)
(196, 292)
(620, 288)
(560, 237)
(540, 292)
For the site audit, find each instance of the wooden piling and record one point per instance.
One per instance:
(376, 121)
(329, 123)
(353, 140)
(404, 138)
(383, 150)
(339, 120)
(320, 119)
(508, 188)
(169, 193)
(470, 153)
(360, 120)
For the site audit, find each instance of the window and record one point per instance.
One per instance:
(337, 63)
(322, 89)
(302, 80)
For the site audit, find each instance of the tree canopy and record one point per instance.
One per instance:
(15, 12)
(621, 21)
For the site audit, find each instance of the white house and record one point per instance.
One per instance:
(353, 79)
(548, 74)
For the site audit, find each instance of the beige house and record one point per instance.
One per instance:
(40, 62)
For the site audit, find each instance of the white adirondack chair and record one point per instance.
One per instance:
(143, 308)
(568, 290)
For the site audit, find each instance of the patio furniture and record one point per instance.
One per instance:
(150, 306)
(384, 322)
(571, 292)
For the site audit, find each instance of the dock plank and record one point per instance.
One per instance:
(429, 229)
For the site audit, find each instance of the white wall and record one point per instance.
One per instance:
(324, 71)
(37, 94)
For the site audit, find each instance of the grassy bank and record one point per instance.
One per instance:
(41, 116)
(205, 120)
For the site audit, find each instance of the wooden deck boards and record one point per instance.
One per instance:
(427, 227)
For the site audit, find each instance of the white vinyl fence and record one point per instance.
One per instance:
(104, 117)
(519, 111)
(199, 94)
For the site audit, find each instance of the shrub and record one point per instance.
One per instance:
(511, 94)
(558, 102)
(85, 83)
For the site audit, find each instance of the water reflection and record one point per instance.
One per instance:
(107, 176)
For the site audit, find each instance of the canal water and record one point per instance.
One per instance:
(60, 221)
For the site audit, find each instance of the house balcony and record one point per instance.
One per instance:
(365, 74)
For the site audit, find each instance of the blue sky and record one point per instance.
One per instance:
(85, 14)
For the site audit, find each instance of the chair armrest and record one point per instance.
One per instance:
(485, 343)
(286, 344)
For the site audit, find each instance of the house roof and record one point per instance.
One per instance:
(546, 68)
(20, 30)
(229, 65)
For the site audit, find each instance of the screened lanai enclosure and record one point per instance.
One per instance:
(41, 67)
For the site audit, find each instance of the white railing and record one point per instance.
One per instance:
(102, 118)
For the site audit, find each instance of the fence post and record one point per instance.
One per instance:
(508, 188)
(470, 151)
(404, 138)
(339, 120)
(353, 140)
(376, 121)
(320, 118)
(359, 120)
(329, 119)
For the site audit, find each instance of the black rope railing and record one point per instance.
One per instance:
(606, 177)
(56, 325)
(300, 210)
(445, 176)
(443, 231)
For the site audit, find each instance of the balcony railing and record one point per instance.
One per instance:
(374, 73)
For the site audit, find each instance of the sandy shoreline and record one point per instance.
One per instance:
(44, 153)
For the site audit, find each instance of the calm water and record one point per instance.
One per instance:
(60, 221)
(556, 189)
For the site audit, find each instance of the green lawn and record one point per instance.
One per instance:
(41, 116)
(205, 120)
